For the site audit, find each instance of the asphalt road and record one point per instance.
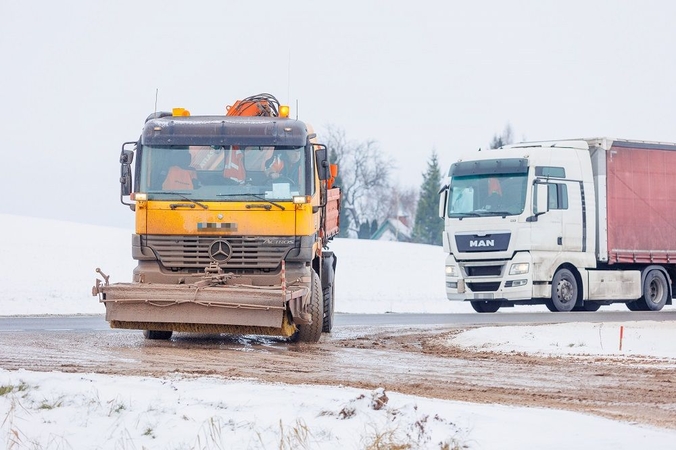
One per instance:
(98, 323)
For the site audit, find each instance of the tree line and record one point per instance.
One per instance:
(371, 203)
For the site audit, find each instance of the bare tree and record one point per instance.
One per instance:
(506, 138)
(364, 174)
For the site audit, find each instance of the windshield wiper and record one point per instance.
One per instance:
(499, 213)
(185, 197)
(463, 215)
(258, 196)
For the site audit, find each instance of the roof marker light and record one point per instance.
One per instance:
(180, 112)
(284, 111)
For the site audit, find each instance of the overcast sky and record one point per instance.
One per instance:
(78, 79)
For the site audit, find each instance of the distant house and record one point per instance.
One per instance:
(394, 229)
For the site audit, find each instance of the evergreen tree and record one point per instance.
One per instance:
(428, 226)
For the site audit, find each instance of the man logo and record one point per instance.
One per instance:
(220, 251)
(482, 243)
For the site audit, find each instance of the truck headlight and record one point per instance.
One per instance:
(452, 271)
(519, 268)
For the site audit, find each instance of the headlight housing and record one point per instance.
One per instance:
(519, 268)
(452, 271)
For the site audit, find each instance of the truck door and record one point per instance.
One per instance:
(571, 202)
(561, 227)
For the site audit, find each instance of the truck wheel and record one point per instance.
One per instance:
(483, 306)
(564, 292)
(157, 335)
(312, 331)
(329, 299)
(655, 291)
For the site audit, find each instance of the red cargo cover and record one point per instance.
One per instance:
(641, 196)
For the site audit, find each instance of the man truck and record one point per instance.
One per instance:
(224, 242)
(572, 224)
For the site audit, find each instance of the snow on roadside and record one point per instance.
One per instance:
(58, 410)
(646, 338)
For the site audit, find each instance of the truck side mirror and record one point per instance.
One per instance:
(323, 166)
(125, 180)
(126, 158)
(443, 198)
(540, 199)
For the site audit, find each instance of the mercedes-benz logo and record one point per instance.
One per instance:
(220, 251)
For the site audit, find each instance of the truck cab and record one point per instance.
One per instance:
(528, 224)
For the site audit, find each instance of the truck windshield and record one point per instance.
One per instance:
(224, 173)
(487, 195)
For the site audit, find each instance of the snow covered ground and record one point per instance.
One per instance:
(47, 267)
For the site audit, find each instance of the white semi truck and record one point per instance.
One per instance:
(570, 224)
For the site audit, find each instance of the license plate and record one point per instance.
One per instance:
(483, 296)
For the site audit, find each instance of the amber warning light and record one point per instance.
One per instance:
(284, 111)
(180, 112)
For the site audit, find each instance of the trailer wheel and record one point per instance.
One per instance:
(655, 291)
(484, 306)
(157, 335)
(564, 292)
(313, 331)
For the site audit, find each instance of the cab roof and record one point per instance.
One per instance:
(223, 130)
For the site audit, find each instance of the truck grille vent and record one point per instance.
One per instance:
(484, 287)
(186, 252)
(483, 271)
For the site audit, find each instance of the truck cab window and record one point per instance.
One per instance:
(557, 194)
(553, 172)
(226, 173)
(489, 194)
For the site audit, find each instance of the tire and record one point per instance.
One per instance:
(564, 292)
(655, 291)
(311, 332)
(329, 300)
(484, 306)
(157, 335)
(550, 306)
(328, 290)
(588, 306)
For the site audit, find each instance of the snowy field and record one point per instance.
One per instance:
(47, 267)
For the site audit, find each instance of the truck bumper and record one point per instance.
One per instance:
(206, 307)
(486, 280)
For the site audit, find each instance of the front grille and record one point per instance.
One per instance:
(483, 271)
(484, 287)
(192, 252)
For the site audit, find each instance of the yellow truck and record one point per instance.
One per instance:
(234, 214)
